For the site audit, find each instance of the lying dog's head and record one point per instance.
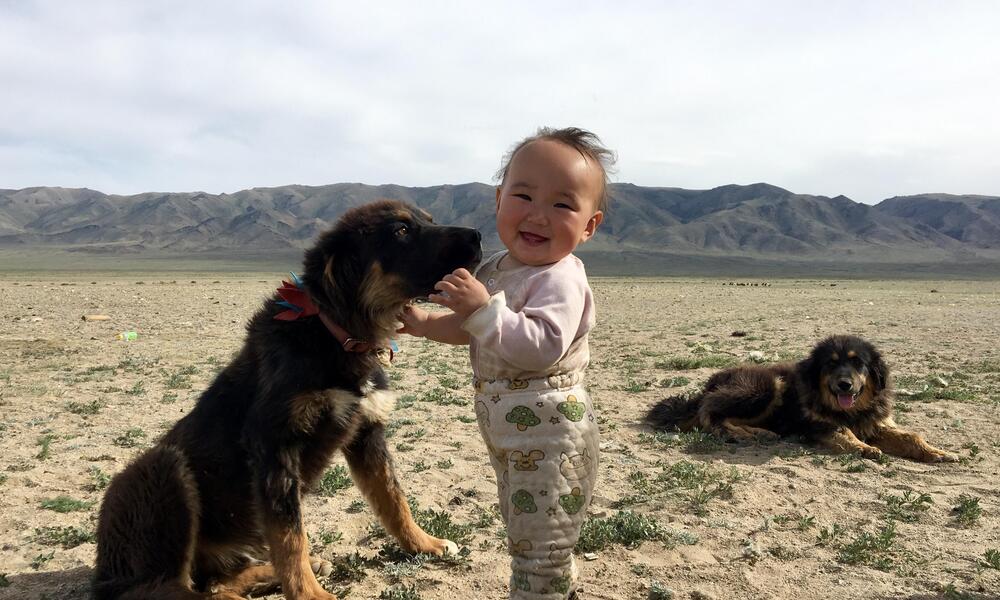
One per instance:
(848, 372)
(380, 256)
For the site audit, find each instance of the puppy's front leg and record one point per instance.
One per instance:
(280, 492)
(371, 469)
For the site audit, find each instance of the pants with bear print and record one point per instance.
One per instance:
(543, 441)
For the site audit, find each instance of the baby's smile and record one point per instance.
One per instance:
(532, 239)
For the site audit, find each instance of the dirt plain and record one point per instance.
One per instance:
(733, 521)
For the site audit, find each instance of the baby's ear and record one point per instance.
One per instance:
(592, 225)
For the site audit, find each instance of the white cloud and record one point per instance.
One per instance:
(860, 98)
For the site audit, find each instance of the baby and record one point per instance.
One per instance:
(526, 314)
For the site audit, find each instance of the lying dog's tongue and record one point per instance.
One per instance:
(845, 400)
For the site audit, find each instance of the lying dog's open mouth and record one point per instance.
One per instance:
(846, 399)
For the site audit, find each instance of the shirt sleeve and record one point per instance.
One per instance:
(540, 334)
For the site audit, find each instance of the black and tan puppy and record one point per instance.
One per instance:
(840, 396)
(199, 514)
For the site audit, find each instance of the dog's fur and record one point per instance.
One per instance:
(197, 515)
(840, 397)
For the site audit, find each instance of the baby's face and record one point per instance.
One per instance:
(547, 204)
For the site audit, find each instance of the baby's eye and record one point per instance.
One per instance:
(564, 205)
(524, 197)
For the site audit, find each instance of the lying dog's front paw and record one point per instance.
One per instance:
(767, 436)
(940, 456)
(871, 452)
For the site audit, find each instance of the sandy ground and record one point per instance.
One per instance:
(777, 520)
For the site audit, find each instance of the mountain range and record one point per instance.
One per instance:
(758, 221)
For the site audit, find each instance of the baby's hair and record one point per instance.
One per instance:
(581, 140)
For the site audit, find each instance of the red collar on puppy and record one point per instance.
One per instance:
(298, 304)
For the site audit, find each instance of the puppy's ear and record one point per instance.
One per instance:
(325, 268)
(336, 274)
(329, 277)
(880, 371)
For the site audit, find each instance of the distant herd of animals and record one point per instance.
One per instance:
(214, 509)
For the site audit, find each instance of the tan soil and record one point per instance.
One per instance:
(50, 357)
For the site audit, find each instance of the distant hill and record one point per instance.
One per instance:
(258, 219)
(974, 220)
(757, 222)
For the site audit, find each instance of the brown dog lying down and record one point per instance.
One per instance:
(198, 515)
(840, 397)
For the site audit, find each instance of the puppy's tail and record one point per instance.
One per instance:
(676, 411)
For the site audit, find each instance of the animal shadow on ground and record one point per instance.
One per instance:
(706, 446)
(72, 584)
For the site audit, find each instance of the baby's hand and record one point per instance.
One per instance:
(461, 292)
(414, 321)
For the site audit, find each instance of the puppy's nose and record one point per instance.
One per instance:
(844, 385)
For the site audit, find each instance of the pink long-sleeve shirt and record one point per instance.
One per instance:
(535, 323)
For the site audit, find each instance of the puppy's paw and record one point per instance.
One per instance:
(320, 567)
(445, 548)
(428, 544)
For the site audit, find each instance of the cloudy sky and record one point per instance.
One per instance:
(868, 99)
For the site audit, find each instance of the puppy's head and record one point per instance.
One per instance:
(848, 371)
(379, 256)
